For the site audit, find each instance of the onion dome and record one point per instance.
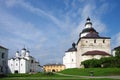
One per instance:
(28, 51)
(88, 22)
(24, 49)
(73, 48)
(17, 51)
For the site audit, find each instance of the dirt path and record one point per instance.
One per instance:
(112, 77)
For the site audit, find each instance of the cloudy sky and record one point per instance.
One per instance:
(48, 27)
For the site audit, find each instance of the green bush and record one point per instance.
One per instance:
(91, 63)
(105, 62)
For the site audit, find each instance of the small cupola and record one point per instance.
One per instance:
(27, 53)
(88, 24)
(24, 49)
(73, 48)
(17, 54)
(23, 52)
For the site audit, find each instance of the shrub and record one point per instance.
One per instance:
(91, 63)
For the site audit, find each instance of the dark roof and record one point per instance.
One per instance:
(28, 51)
(73, 48)
(95, 38)
(96, 52)
(3, 47)
(117, 48)
(36, 62)
(88, 19)
(17, 51)
(92, 34)
(88, 30)
(54, 65)
(11, 58)
(17, 58)
(23, 49)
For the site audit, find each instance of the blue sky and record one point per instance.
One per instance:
(48, 27)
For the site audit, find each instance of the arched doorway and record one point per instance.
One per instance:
(16, 71)
(53, 70)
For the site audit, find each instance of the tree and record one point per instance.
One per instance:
(117, 52)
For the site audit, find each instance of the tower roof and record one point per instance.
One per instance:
(28, 51)
(88, 19)
(117, 48)
(96, 52)
(23, 49)
(3, 47)
(17, 51)
(89, 31)
(73, 48)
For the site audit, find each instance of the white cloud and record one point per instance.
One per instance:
(17, 33)
(70, 22)
(88, 10)
(34, 10)
(99, 26)
(19, 28)
(11, 3)
(115, 40)
(94, 12)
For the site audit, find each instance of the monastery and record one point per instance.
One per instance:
(90, 45)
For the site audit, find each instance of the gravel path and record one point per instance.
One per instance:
(112, 77)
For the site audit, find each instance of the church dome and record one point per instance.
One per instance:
(88, 21)
(28, 51)
(73, 48)
(23, 49)
(17, 51)
(89, 31)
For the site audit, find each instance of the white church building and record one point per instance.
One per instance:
(23, 63)
(89, 46)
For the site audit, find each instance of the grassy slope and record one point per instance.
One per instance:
(97, 71)
(75, 71)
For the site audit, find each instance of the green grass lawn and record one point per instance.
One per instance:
(96, 71)
(75, 71)
(34, 75)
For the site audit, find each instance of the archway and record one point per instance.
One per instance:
(53, 70)
(16, 71)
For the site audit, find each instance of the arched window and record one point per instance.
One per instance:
(72, 60)
(1, 69)
(31, 61)
(95, 41)
(103, 41)
(3, 55)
